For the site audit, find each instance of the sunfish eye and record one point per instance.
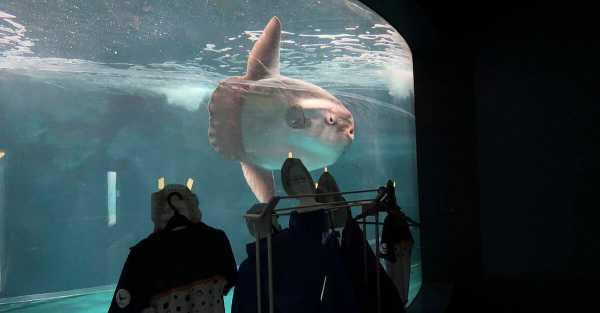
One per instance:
(295, 117)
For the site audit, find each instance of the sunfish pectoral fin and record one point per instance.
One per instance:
(260, 181)
(263, 60)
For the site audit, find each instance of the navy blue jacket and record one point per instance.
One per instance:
(338, 295)
(353, 244)
(298, 268)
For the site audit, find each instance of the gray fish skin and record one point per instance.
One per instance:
(259, 117)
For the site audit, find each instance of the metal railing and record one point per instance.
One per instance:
(262, 222)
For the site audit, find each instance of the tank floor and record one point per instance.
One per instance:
(91, 303)
(99, 301)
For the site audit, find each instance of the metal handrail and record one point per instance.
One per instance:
(326, 206)
(327, 194)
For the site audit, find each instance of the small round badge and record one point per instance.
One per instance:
(123, 298)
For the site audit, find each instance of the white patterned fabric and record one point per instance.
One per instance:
(204, 296)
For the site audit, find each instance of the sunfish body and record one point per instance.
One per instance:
(259, 117)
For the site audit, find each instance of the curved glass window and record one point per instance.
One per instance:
(98, 99)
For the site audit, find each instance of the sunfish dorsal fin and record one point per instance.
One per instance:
(263, 60)
(260, 181)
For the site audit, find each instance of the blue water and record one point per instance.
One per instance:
(92, 87)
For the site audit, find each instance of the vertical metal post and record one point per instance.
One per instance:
(377, 260)
(3, 224)
(270, 257)
(365, 247)
(257, 259)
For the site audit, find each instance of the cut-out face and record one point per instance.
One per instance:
(162, 211)
(301, 185)
(297, 180)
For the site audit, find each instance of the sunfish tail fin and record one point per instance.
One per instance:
(224, 109)
(260, 181)
(263, 60)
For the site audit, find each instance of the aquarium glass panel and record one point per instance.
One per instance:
(99, 99)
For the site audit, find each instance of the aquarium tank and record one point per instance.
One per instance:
(99, 99)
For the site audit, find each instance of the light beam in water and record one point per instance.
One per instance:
(111, 183)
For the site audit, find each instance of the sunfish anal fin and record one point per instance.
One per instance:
(263, 60)
(260, 181)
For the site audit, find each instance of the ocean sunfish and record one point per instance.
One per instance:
(259, 117)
